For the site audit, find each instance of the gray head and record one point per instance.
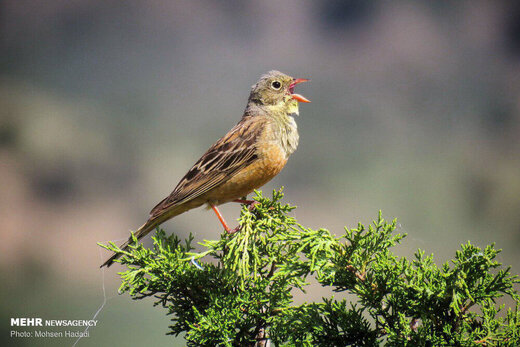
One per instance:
(275, 88)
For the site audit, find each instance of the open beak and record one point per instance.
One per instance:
(298, 97)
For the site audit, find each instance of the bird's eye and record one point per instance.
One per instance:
(276, 85)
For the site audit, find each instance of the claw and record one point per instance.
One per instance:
(232, 231)
(250, 203)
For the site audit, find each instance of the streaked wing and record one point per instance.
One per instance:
(231, 153)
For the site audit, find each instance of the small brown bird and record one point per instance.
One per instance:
(252, 153)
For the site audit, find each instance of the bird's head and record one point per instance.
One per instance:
(276, 90)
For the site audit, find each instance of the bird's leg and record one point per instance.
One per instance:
(220, 217)
(245, 202)
(223, 221)
(250, 203)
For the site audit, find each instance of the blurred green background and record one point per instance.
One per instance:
(104, 105)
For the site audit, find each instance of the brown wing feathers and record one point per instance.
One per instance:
(231, 153)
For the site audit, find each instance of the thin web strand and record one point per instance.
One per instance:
(105, 298)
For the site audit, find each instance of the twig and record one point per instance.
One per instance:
(360, 276)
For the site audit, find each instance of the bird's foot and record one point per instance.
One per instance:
(234, 230)
(250, 203)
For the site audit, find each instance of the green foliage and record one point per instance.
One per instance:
(239, 290)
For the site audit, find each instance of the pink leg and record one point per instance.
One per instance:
(250, 203)
(220, 218)
(244, 201)
(223, 221)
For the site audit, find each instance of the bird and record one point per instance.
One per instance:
(253, 152)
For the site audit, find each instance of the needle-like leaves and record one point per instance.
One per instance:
(238, 290)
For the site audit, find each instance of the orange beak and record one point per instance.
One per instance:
(298, 97)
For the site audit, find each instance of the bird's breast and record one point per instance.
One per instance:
(269, 162)
(283, 132)
(289, 136)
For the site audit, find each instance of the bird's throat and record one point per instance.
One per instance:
(292, 108)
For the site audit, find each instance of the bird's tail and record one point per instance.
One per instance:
(150, 225)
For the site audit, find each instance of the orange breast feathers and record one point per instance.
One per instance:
(271, 160)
